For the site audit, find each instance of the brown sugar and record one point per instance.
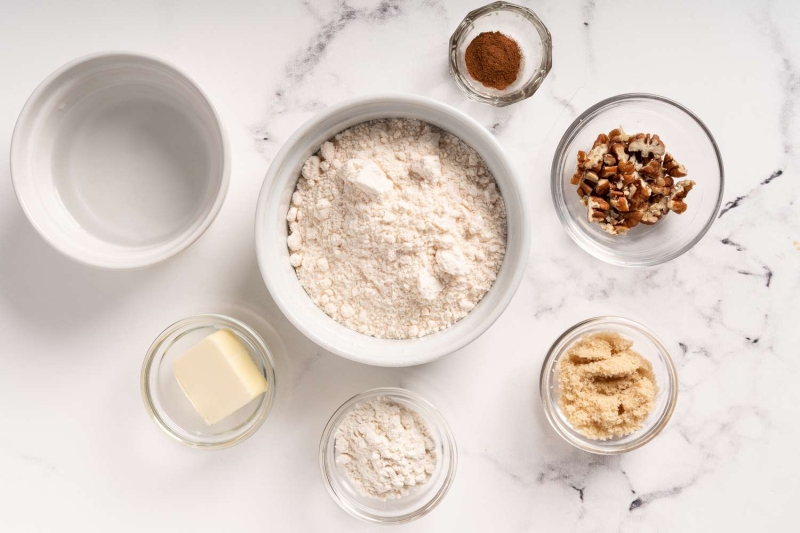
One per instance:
(493, 59)
(607, 389)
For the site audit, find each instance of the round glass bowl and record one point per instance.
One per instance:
(169, 407)
(646, 343)
(518, 23)
(422, 499)
(685, 137)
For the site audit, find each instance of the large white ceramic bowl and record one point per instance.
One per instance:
(271, 232)
(119, 160)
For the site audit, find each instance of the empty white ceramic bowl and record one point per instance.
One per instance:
(271, 232)
(119, 160)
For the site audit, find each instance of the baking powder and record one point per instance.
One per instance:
(385, 448)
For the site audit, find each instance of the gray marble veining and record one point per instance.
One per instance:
(78, 443)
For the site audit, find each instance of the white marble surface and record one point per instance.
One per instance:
(78, 452)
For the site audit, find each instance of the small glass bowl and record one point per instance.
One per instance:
(646, 343)
(685, 136)
(169, 407)
(422, 499)
(518, 23)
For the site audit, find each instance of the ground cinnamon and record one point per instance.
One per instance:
(493, 59)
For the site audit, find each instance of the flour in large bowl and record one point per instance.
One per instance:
(396, 228)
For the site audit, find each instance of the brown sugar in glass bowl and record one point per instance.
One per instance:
(649, 346)
(493, 59)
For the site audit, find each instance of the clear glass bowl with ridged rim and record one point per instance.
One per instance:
(522, 25)
(649, 346)
(421, 499)
(685, 137)
(168, 406)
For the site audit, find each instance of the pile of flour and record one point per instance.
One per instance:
(385, 448)
(396, 228)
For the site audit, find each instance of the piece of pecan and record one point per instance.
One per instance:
(625, 167)
(679, 192)
(673, 168)
(601, 139)
(590, 177)
(598, 203)
(651, 169)
(618, 149)
(620, 203)
(618, 135)
(595, 215)
(646, 144)
(608, 171)
(581, 160)
(594, 159)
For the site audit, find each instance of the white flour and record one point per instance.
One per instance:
(397, 229)
(385, 448)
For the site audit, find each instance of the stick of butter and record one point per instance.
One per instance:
(218, 376)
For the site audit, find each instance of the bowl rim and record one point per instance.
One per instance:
(600, 447)
(64, 246)
(513, 190)
(532, 85)
(577, 236)
(448, 441)
(263, 352)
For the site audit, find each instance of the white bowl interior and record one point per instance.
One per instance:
(280, 277)
(119, 160)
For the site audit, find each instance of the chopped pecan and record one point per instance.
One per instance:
(601, 139)
(673, 168)
(655, 211)
(625, 167)
(594, 160)
(618, 149)
(632, 218)
(620, 203)
(651, 169)
(581, 160)
(596, 215)
(682, 188)
(627, 180)
(598, 203)
(645, 190)
(618, 135)
(680, 191)
(608, 171)
(679, 206)
(590, 177)
(646, 144)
